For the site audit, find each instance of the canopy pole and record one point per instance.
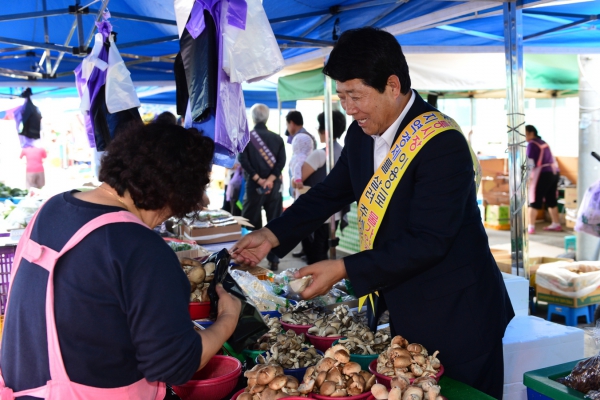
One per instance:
(330, 157)
(46, 40)
(517, 161)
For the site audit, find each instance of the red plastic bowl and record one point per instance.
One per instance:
(213, 382)
(199, 310)
(322, 343)
(236, 395)
(296, 328)
(386, 380)
(363, 396)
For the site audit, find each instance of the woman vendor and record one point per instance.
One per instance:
(98, 305)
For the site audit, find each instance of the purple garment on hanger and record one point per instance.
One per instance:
(80, 83)
(96, 80)
(230, 113)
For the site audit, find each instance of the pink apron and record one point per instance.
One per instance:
(59, 387)
(534, 175)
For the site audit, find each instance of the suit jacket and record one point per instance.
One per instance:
(253, 163)
(431, 259)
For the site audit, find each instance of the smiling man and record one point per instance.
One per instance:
(423, 245)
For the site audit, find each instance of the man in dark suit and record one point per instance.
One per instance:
(430, 260)
(263, 175)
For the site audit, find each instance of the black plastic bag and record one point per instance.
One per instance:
(250, 325)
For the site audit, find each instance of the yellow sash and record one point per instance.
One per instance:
(376, 197)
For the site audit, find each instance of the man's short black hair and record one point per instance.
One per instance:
(369, 54)
(295, 117)
(531, 128)
(339, 123)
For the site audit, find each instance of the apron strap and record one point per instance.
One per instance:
(57, 366)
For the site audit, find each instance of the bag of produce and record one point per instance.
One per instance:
(585, 377)
(250, 325)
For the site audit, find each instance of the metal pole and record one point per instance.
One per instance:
(79, 19)
(330, 158)
(517, 162)
(589, 140)
(47, 40)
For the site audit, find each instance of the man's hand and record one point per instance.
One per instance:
(253, 247)
(325, 274)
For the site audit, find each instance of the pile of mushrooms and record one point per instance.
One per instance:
(290, 352)
(340, 323)
(423, 388)
(270, 338)
(299, 315)
(363, 341)
(267, 382)
(336, 376)
(407, 360)
(199, 276)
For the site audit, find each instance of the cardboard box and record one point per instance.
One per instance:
(495, 189)
(503, 260)
(571, 197)
(494, 166)
(569, 167)
(535, 262)
(549, 296)
(497, 215)
(570, 217)
(213, 234)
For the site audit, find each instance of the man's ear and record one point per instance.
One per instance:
(394, 83)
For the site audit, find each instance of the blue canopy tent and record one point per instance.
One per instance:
(43, 40)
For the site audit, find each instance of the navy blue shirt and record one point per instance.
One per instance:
(121, 305)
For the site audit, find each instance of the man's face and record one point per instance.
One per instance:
(374, 111)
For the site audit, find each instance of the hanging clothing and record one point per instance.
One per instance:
(31, 118)
(182, 96)
(200, 42)
(199, 56)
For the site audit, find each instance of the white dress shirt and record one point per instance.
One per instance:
(384, 142)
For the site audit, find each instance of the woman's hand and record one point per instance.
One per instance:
(229, 305)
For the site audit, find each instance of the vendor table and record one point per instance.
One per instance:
(455, 390)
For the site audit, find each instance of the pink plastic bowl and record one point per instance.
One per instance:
(363, 396)
(213, 382)
(236, 395)
(386, 380)
(322, 343)
(296, 328)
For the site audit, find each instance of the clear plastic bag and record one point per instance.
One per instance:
(260, 292)
(585, 377)
(120, 92)
(251, 54)
(588, 216)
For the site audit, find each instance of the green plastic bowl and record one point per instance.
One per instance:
(251, 355)
(363, 360)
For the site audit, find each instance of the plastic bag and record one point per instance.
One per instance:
(570, 279)
(250, 326)
(87, 66)
(585, 377)
(260, 292)
(588, 216)
(120, 92)
(251, 54)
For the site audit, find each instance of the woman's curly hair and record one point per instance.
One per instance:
(161, 165)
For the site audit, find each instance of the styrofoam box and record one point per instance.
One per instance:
(518, 292)
(514, 391)
(532, 343)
